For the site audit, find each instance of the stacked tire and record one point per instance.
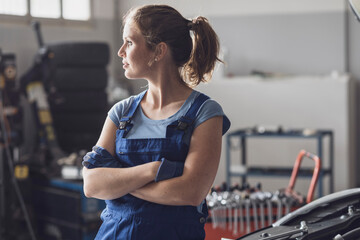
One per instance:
(76, 89)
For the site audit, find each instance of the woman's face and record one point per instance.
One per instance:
(136, 55)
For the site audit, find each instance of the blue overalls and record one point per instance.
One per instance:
(129, 217)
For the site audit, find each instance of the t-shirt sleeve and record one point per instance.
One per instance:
(119, 109)
(209, 109)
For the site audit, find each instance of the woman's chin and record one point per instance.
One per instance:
(130, 76)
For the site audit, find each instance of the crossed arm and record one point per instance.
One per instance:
(189, 189)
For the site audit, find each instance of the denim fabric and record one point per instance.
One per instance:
(129, 217)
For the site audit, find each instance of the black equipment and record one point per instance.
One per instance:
(13, 170)
(77, 92)
(67, 85)
(335, 216)
(10, 98)
(33, 86)
(63, 212)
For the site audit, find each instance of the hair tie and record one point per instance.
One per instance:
(192, 23)
(195, 21)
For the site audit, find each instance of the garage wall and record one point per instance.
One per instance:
(291, 102)
(354, 69)
(211, 8)
(306, 43)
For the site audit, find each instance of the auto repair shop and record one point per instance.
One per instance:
(286, 166)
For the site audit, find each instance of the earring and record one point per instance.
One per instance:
(156, 59)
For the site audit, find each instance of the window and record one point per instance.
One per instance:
(79, 10)
(76, 10)
(45, 8)
(13, 7)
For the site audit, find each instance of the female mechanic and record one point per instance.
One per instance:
(159, 151)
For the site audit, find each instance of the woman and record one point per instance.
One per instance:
(158, 152)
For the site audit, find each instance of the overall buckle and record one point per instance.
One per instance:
(182, 126)
(183, 123)
(123, 124)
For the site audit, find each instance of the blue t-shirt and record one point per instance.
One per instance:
(144, 127)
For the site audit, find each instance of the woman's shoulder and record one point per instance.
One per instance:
(123, 104)
(208, 105)
(209, 109)
(120, 109)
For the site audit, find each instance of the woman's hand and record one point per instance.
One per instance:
(111, 183)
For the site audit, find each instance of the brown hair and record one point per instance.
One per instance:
(196, 56)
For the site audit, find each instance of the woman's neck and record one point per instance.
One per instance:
(166, 86)
(166, 94)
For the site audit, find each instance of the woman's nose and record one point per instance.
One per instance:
(121, 52)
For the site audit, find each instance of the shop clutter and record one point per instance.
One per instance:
(238, 210)
(66, 101)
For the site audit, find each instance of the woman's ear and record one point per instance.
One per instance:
(160, 51)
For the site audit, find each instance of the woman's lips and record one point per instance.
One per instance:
(125, 65)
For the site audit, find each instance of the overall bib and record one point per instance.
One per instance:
(129, 217)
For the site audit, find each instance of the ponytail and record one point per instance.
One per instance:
(204, 54)
(195, 56)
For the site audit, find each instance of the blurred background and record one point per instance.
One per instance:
(290, 81)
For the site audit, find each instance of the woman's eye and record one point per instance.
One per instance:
(129, 43)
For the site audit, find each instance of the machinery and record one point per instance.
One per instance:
(15, 220)
(54, 87)
(335, 216)
(252, 214)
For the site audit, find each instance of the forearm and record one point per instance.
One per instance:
(183, 190)
(111, 183)
(104, 178)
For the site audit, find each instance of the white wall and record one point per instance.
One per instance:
(103, 9)
(292, 102)
(209, 8)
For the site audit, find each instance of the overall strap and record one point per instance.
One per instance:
(125, 124)
(178, 127)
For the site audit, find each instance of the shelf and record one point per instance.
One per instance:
(272, 171)
(243, 170)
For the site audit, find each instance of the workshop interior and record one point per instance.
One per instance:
(289, 83)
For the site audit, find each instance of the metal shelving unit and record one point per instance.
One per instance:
(245, 170)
